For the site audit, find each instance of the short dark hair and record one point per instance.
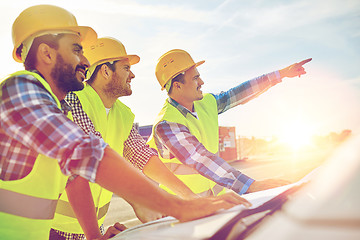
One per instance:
(93, 76)
(50, 39)
(179, 78)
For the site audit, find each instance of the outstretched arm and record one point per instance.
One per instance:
(117, 175)
(251, 89)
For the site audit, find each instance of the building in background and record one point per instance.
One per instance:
(145, 131)
(227, 143)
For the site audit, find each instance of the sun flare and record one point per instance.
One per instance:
(297, 134)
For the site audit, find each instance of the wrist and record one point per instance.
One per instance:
(282, 73)
(176, 207)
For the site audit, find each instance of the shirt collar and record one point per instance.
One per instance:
(183, 110)
(65, 106)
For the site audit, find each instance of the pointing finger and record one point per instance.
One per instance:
(305, 61)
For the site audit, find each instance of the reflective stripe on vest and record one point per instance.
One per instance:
(205, 129)
(115, 128)
(26, 206)
(64, 208)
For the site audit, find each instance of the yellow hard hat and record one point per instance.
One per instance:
(171, 64)
(106, 50)
(43, 18)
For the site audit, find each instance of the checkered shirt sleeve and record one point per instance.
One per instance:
(32, 124)
(175, 140)
(246, 91)
(137, 151)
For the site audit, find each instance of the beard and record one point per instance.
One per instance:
(115, 89)
(64, 76)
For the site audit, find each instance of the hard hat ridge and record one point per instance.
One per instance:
(173, 63)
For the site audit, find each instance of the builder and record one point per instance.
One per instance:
(186, 130)
(39, 144)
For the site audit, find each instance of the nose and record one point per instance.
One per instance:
(132, 75)
(201, 82)
(84, 61)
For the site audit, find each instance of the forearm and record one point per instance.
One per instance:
(246, 91)
(119, 176)
(156, 170)
(187, 149)
(81, 201)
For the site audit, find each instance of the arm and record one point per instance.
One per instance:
(80, 198)
(119, 176)
(146, 159)
(176, 139)
(246, 91)
(156, 170)
(249, 90)
(30, 115)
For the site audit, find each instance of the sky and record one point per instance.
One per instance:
(239, 40)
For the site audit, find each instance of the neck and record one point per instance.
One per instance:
(188, 104)
(57, 92)
(106, 100)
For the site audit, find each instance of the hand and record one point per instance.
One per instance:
(266, 184)
(294, 70)
(113, 231)
(201, 207)
(145, 214)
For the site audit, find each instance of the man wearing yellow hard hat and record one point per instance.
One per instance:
(39, 144)
(186, 131)
(97, 110)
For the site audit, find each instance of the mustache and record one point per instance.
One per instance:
(80, 67)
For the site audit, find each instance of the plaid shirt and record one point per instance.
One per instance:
(135, 150)
(32, 124)
(176, 140)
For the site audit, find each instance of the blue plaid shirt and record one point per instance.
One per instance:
(31, 123)
(176, 140)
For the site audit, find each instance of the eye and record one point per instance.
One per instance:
(78, 50)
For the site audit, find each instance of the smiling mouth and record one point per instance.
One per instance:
(82, 73)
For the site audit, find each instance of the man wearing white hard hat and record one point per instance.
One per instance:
(186, 131)
(39, 144)
(97, 110)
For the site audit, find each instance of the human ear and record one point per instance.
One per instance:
(105, 71)
(46, 54)
(176, 85)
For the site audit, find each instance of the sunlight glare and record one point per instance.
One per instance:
(297, 134)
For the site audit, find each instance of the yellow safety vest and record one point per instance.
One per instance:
(27, 205)
(115, 129)
(206, 130)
